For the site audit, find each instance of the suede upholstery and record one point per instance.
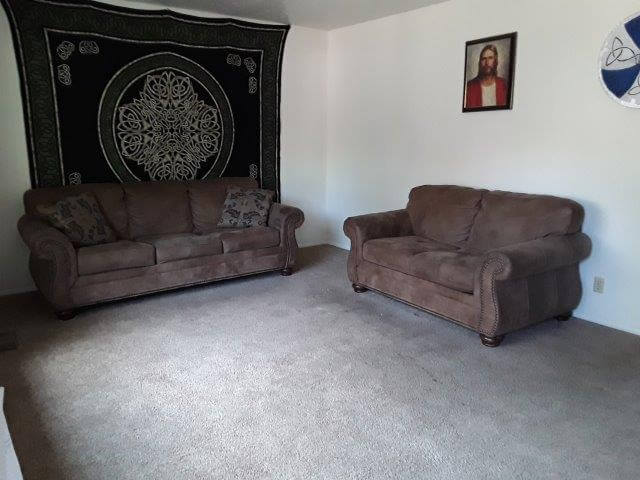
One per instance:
(176, 246)
(163, 244)
(286, 220)
(251, 238)
(53, 261)
(423, 258)
(518, 266)
(114, 256)
(507, 218)
(444, 213)
(156, 208)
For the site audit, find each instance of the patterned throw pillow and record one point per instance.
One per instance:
(246, 207)
(80, 219)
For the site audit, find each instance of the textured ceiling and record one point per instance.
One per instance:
(322, 14)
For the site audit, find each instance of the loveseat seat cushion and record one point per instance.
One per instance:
(429, 260)
(444, 213)
(115, 256)
(156, 208)
(177, 246)
(251, 238)
(506, 218)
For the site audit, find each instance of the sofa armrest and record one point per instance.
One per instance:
(286, 219)
(54, 264)
(395, 223)
(518, 285)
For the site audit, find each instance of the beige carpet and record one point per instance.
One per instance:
(299, 377)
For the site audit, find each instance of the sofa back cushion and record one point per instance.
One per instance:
(155, 208)
(110, 197)
(207, 197)
(444, 213)
(506, 218)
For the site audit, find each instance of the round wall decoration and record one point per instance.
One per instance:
(165, 118)
(620, 63)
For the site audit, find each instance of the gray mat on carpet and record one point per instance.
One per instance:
(299, 377)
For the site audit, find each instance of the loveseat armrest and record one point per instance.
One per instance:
(286, 219)
(521, 284)
(537, 256)
(54, 264)
(359, 229)
(395, 223)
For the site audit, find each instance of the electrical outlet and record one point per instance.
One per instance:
(598, 284)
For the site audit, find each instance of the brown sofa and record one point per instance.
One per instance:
(167, 238)
(491, 261)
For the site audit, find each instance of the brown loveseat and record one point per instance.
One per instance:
(491, 261)
(167, 238)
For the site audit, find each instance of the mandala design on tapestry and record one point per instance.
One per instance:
(168, 129)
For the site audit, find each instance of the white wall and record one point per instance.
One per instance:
(395, 121)
(303, 142)
(14, 170)
(304, 130)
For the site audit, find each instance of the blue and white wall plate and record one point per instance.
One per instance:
(620, 63)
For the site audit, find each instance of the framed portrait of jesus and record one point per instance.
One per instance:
(489, 67)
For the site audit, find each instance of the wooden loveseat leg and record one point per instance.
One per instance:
(491, 341)
(66, 314)
(359, 288)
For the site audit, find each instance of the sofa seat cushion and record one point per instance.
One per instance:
(429, 260)
(115, 256)
(251, 238)
(178, 246)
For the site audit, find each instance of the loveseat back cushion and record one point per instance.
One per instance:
(506, 218)
(178, 246)
(115, 256)
(444, 213)
(156, 208)
(207, 200)
(110, 197)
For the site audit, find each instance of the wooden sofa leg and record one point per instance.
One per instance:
(564, 317)
(285, 272)
(66, 314)
(359, 288)
(491, 341)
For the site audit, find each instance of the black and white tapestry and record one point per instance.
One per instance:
(119, 95)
